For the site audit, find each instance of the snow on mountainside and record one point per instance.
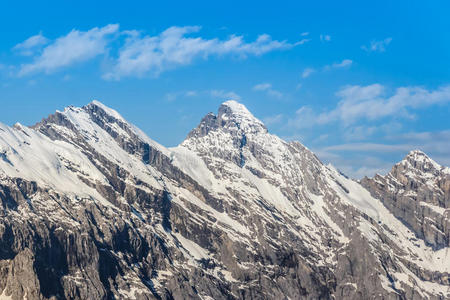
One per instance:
(93, 208)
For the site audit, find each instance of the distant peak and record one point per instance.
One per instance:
(418, 155)
(419, 160)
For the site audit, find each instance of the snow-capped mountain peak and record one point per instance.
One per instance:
(233, 113)
(233, 126)
(418, 160)
(111, 112)
(418, 165)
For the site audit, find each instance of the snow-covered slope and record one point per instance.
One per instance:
(93, 208)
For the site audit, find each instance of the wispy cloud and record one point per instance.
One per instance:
(364, 129)
(343, 64)
(267, 87)
(325, 38)
(273, 119)
(307, 72)
(349, 157)
(360, 132)
(172, 96)
(214, 93)
(224, 95)
(139, 55)
(262, 87)
(28, 46)
(346, 63)
(174, 47)
(436, 143)
(321, 138)
(75, 47)
(371, 103)
(369, 147)
(358, 164)
(377, 46)
(304, 117)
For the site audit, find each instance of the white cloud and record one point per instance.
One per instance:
(28, 46)
(355, 164)
(359, 132)
(357, 173)
(301, 42)
(325, 38)
(304, 118)
(371, 103)
(426, 136)
(171, 96)
(321, 138)
(346, 63)
(273, 119)
(365, 159)
(307, 72)
(267, 87)
(76, 46)
(377, 46)
(143, 55)
(139, 55)
(214, 93)
(275, 94)
(225, 95)
(436, 143)
(262, 87)
(304, 33)
(175, 95)
(343, 64)
(369, 147)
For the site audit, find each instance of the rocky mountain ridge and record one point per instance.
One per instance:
(417, 191)
(93, 208)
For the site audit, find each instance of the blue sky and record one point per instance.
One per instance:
(360, 84)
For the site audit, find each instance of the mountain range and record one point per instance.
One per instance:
(92, 208)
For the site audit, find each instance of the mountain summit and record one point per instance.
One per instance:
(417, 191)
(421, 162)
(238, 114)
(233, 117)
(92, 208)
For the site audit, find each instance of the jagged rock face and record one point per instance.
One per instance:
(91, 208)
(417, 191)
